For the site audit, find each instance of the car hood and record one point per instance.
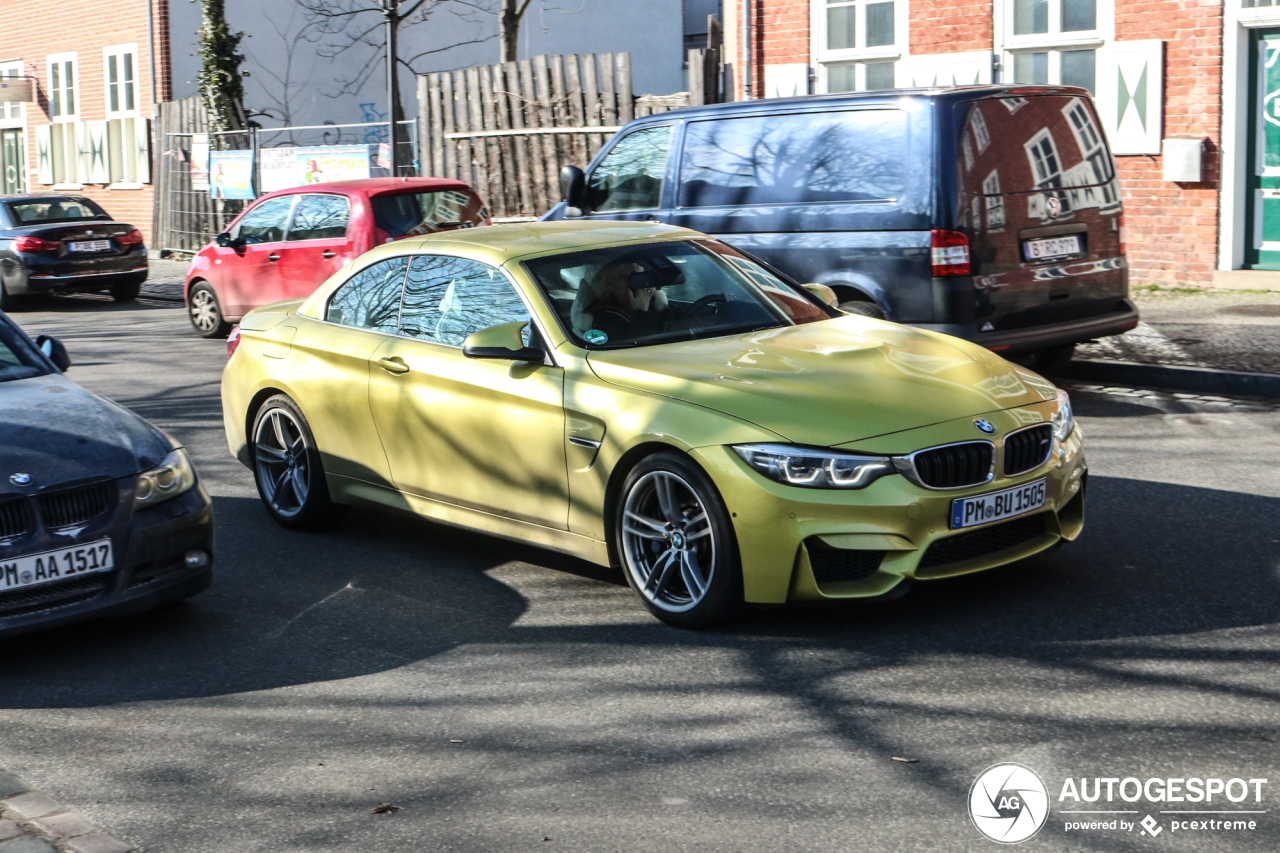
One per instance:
(831, 382)
(56, 432)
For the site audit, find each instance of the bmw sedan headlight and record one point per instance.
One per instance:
(1063, 420)
(814, 468)
(167, 480)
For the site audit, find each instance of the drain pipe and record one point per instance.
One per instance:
(746, 50)
(151, 48)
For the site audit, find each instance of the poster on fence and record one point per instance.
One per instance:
(327, 163)
(231, 174)
(200, 162)
(278, 168)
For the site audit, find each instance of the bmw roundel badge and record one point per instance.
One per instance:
(20, 479)
(985, 427)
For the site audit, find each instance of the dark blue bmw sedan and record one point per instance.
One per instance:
(101, 513)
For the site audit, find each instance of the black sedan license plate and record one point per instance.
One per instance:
(994, 506)
(90, 246)
(49, 566)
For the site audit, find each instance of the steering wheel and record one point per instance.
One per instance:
(703, 302)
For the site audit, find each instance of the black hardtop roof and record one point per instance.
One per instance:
(943, 94)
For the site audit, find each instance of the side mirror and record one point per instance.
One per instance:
(573, 188)
(226, 241)
(823, 293)
(505, 341)
(54, 351)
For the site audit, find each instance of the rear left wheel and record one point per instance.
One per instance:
(128, 291)
(677, 544)
(287, 467)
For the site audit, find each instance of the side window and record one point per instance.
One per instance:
(371, 298)
(320, 217)
(266, 222)
(446, 299)
(630, 175)
(854, 155)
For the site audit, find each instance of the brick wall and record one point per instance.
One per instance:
(779, 36)
(944, 26)
(1173, 228)
(31, 30)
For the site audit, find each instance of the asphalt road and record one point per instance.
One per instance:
(508, 699)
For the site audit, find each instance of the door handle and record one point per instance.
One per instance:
(327, 254)
(395, 364)
(273, 257)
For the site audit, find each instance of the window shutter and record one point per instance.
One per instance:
(1131, 94)
(82, 153)
(44, 154)
(965, 68)
(96, 139)
(142, 146)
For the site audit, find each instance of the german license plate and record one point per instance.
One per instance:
(49, 566)
(1053, 247)
(90, 246)
(994, 506)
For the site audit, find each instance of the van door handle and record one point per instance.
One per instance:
(273, 257)
(327, 254)
(395, 364)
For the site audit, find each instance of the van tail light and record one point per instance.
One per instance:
(35, 244)
(1120, 229)
(133, 238)
(950, 253)
(233, 341)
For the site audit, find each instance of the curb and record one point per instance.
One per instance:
(1195, 380)
(33, 822)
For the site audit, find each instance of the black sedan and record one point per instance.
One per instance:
(101, 514)
(67, 244)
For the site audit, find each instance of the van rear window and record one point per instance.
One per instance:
(1043, 142)
(852, 155)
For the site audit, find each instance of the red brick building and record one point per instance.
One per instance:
(82, 76)
(1156, 68)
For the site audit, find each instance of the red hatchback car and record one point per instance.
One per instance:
(290, 241)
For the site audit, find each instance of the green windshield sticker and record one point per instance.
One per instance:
(595, 336)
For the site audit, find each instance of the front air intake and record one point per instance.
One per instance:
(955, 466)
(1027, 449)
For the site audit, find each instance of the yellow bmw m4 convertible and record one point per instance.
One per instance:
(649, 397)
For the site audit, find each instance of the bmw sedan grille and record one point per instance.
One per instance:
(77, 506)
(1027, 449)
(15, 519)
(955, 465)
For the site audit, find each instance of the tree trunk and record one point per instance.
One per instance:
(509, 28)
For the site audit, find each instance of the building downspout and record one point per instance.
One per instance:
(746, 50)
(151, 47)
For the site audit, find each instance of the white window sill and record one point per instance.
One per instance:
(125, 185)
(861, 54)
(64, 119)
(1051, 41)
(67, 186)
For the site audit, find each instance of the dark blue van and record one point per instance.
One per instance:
(988, 212)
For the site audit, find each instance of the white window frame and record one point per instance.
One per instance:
(6, 120)
(821, 57)
(118, 52)
(59, 59)
(1055, 42)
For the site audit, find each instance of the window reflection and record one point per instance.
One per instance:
(630, 176)
(371, 299)
(447, 299)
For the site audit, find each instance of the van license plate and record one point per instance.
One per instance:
(1054, 247)
(994, 506)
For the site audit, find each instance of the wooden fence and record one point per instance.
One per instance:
(507, 129)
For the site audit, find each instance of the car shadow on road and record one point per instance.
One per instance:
(73, 303)
(381, 591)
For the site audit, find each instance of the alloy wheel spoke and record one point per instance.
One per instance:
(692, 575)
(661, 573)
(666, 499)
(277, 487)
(280, 430)
(691, 530)
(273, 455)
(655, 526)
(299, 485)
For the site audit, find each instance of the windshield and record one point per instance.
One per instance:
(17, 359)
(628, 296)
(55, 210)
(415, 214)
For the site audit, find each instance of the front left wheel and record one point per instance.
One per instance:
(206, 313)
(287, 467)
(677, 544)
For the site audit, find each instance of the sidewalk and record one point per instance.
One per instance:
(164, 280)
(1215, 329)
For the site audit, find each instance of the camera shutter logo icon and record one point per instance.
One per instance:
(1008, 803)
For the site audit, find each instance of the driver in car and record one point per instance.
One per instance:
(627, 305)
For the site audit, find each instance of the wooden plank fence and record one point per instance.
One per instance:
(507, 129)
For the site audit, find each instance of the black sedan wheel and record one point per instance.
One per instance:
(287, 467)
(206, 313)
(128, 291)
(677, 544)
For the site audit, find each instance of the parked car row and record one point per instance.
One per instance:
(700, 368)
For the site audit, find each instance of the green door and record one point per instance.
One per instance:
(1262, 200)
(13, 167)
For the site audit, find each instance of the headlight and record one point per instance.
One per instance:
(169, 479)
(813, 468)
(1063, 421)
